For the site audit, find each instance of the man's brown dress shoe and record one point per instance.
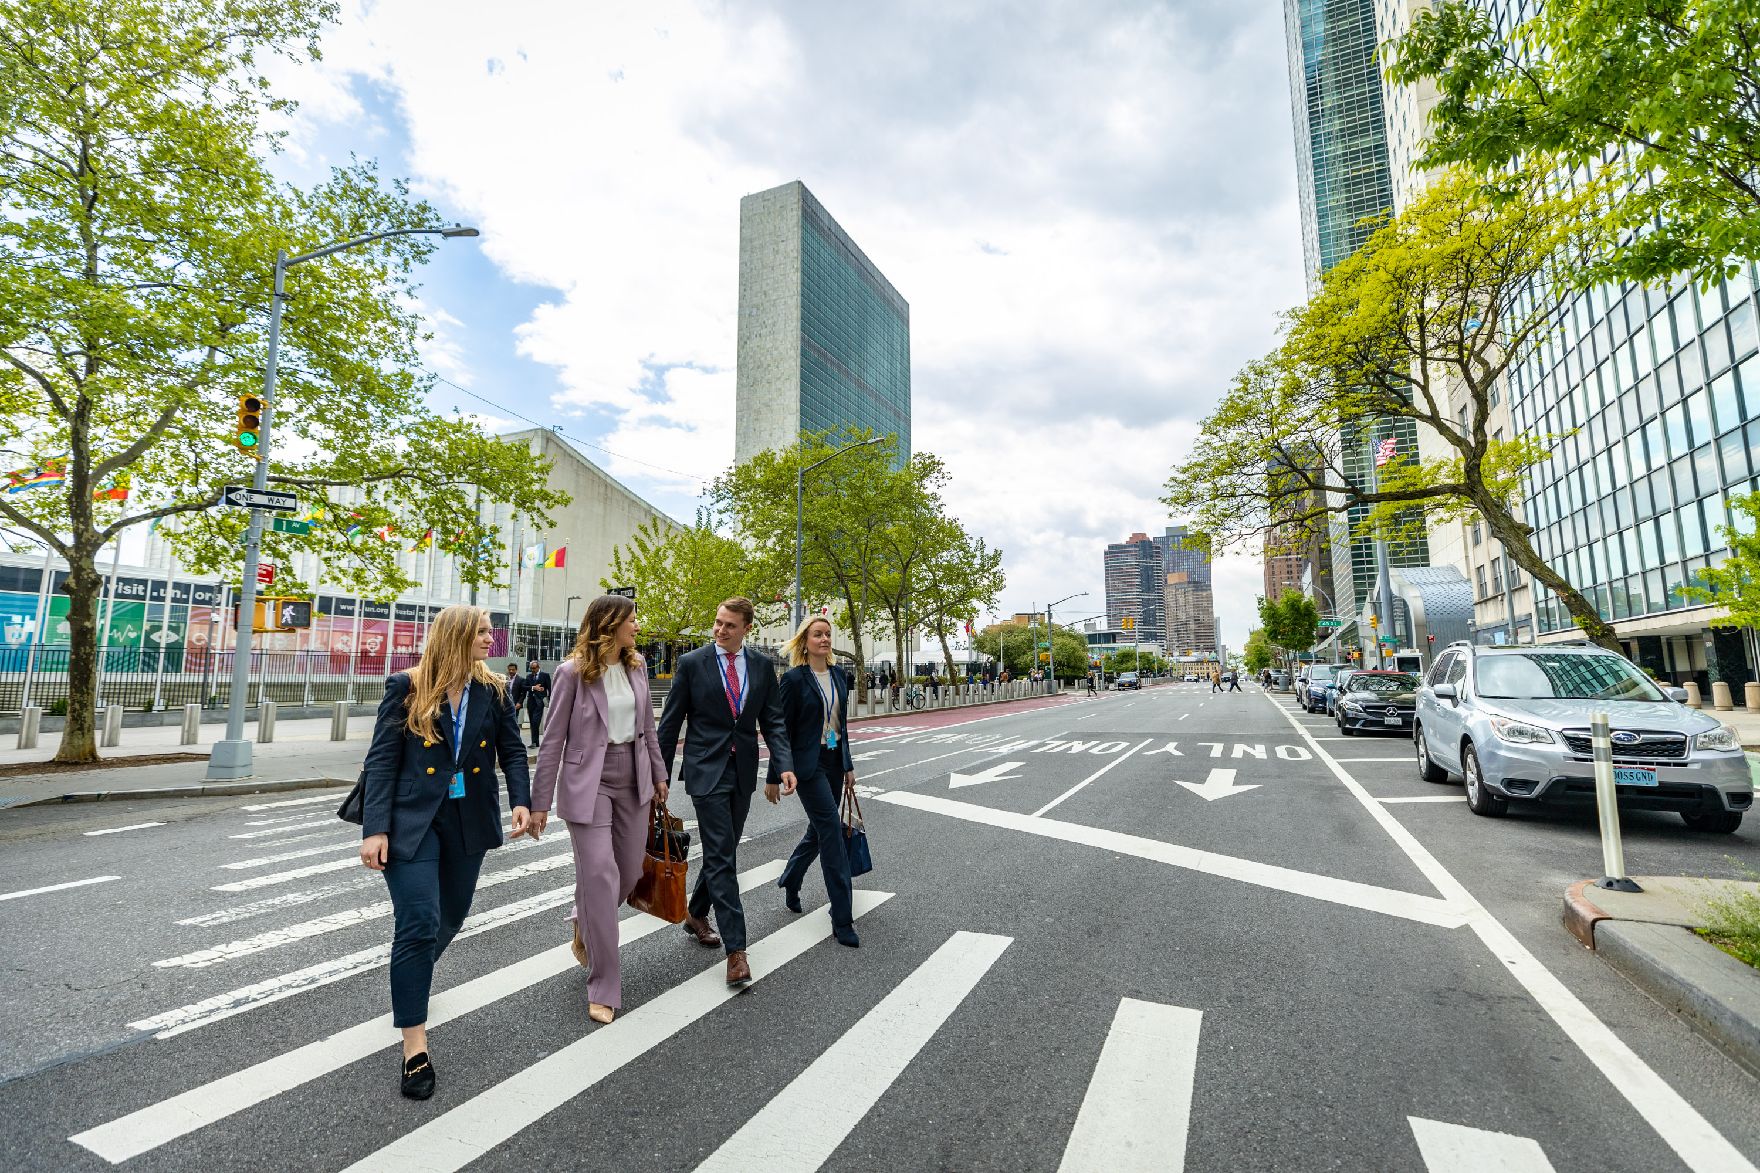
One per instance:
(699, 928)
(738, 972)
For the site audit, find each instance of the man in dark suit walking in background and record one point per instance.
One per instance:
(533, 691)
(728, 695)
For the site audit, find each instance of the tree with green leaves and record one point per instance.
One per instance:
(136, 258)
(1421, 324)
(681, 574)
(1257, 655)
(957, 583)
(1734, 583)
(918, 532)
(1290, 622)
(1670, 89)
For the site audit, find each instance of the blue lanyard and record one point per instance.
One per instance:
(464, 705)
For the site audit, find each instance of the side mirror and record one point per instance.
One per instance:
(1678, 695)
(1444, 692)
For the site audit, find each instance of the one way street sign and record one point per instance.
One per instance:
(246, 497)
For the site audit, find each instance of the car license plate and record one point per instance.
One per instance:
(1392, 718)
(1634, 776)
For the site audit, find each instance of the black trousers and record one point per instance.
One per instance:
(824, 840)
(721, 820)
(535, 716)
(430, 897)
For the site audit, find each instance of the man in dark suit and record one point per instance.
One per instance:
(728, 695)
(533, 691)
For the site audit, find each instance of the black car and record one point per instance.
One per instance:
(1377, 701)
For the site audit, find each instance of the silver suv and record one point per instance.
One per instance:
(1514, 723)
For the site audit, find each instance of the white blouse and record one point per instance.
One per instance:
(620, 705)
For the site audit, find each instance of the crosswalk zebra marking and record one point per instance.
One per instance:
(1138, 1107)
(456, 1138)
(58, 887)
(800, 1127)
(238, 912)
(351, 844)
(285, 828)
(269, 806)
(1455, 1148)
(159, 1124)
(272, 878)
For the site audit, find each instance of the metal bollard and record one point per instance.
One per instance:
(192, 725)
(112, 725)
(265, 722)
(1613, 856)
(339, 721)
(30, 725)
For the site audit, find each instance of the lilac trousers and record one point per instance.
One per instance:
(607, 864)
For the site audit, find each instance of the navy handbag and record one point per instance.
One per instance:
(855, 836)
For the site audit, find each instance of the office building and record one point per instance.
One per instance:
(1134, 586)
(1188, 602)
(824, 338)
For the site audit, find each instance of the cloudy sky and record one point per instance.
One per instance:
(1089, 205)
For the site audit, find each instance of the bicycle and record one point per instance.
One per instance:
(913, 697)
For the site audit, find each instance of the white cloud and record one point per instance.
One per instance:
(1089, 207)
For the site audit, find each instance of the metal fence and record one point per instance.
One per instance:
(153, 679)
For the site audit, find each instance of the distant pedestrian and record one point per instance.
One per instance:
(1092, 691)
(533, 690)
(431, 810)
(1234, 683)
(1215, 680)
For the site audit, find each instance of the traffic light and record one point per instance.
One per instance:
(1127, 623)
(1430, 638)
(1375, 622)
(248, 434)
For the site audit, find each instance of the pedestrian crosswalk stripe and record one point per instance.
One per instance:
(58, 887)
(456, 1138)
(351, 844)
(1455, 1148)
(1138, 1107)
(1390, 901)
(266, 806)
(272, 878)
(801, 1126)
(163, 1122)
(238, 912)
(284, 828)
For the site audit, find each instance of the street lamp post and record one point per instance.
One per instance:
(231, 757)
(800, 475)
(568, 608)
(1051, 640)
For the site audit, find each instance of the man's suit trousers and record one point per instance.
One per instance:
(721, 820)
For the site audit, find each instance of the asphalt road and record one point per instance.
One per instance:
(1111, 934)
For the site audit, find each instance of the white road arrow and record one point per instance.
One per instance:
(996, 773)
(1220, 784)
(869, 756)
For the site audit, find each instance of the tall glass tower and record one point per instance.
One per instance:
(824, 338)
(1343, 176)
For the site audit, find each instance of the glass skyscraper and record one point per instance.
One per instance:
(824, 338)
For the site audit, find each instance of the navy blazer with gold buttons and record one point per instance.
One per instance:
(407, 776)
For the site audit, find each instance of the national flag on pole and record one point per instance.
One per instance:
(49, 472)
(532, 555)
(1385, 451)
(558, 559)
(116, 492)
(423, 542)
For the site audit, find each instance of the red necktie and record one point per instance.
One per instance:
(732, 686)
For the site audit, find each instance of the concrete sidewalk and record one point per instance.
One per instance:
(1648, 937)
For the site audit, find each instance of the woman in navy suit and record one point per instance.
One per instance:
(815, 701)
(432, 809)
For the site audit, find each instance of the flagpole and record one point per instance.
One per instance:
(538, 605)
(164, 625)
(519, 565)
(41, 635)
(109, 614)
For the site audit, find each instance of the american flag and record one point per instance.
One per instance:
(1385, 451)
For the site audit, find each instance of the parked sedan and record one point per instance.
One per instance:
(1127, 680)
(1370, 700)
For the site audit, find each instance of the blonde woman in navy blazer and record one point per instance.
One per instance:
(431, 809)
(599, 761)
(815, 704)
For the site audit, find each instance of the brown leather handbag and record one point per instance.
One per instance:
(660, 891)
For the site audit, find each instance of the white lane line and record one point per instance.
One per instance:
(1410, 906)
(226, 916)
(800, 1127)
(269, 806)
(1693, 1138)
(1396, 761)
(1429, 798)
(1078, 786)
(1138, 1107)
(120, 830)
(1455, 1148)
(455, 1138)
(265, 881)
(348, 918)
(157, 1124)
(1183, 716)
(992, 747)
(57, 887)
(351, 845)
(285, 828)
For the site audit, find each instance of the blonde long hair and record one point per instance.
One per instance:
(598, 637)
(450, 656)
(796, 647)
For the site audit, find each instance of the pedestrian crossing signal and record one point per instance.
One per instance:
(247, 434)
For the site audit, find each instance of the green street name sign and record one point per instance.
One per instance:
(286, 525)
(1390, 640)
(1330, 623)
(1044, 645)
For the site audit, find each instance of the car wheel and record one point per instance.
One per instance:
(1722, 822)
(1345, 729)
(1479, 797)
(1428, 770)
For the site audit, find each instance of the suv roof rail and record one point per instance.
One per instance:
(1460, 643)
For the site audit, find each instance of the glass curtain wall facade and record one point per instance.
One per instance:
(1188, 600)
(1134, 586)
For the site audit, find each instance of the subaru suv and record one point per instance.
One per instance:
(1514, 723)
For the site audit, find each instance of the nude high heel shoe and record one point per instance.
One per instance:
(580, 948)
(600, 1014)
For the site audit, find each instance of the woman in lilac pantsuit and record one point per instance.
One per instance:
(600, 762)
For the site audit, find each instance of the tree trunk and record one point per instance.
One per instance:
(84, 585)
(947, 656)
(1517, 546)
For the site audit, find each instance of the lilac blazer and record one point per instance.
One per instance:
(571, 752)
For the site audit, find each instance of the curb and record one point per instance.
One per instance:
(1580, 914)
(1717, 995)
(223, 789)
